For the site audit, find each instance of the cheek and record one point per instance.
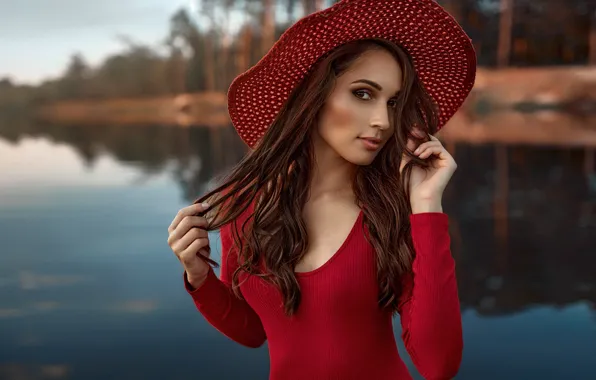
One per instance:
(339, 120)
(342, 114)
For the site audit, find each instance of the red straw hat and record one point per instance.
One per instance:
(442, 53)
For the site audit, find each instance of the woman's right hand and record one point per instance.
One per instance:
(188, 239)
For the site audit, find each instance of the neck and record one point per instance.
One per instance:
(332, 174)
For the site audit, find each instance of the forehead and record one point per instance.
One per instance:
(376, 65)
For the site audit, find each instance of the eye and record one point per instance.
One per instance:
(360, 93)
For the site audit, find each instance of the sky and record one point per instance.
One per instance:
(38, 37)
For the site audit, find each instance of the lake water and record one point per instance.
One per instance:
(89, 288)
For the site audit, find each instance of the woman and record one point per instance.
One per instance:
(333, 223)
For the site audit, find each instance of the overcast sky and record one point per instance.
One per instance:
(37, 37)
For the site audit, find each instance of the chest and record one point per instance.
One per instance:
(329, 229)
(345, 284)
(336, 275)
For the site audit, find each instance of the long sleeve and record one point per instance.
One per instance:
(216, 301)
(429, 305)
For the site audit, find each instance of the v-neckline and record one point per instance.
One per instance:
(339, 250)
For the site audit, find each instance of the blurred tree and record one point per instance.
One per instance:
(184, 30)
(77, 68)
(505, 25)
(290, 10)
(591, 11)
(176, 67)
(521, 32)
(137, 72)
(309, 6)
(206, 48)
(268, 27)
(74, 81)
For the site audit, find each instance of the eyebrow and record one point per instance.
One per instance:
(372, 84)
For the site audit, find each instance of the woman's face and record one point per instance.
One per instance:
(354, 121)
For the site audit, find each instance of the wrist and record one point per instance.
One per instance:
(426, 205)
(195, 282)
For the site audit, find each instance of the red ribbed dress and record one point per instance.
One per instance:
(339, 332)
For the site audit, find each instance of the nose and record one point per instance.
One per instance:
(380, 118)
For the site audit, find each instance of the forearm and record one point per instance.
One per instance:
(230, 315)
(432, 330)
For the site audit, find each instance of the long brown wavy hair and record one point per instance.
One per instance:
(275, 235)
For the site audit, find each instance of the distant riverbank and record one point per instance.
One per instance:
(552, 105)
(181, 110)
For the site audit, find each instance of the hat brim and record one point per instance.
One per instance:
(442, 54)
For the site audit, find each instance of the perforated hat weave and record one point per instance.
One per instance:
(442, 53)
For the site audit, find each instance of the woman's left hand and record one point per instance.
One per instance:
(427, 185)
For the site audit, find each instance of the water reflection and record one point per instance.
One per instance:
(536, 247)
(90, 290)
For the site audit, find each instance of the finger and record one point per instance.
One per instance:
(437, 150)
(411, 145)
(187, 211)
(433, 138)
(186, 240)
(185, 225)
(427, 145)
(188, 255)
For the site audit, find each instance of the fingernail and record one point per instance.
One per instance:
(205, 204)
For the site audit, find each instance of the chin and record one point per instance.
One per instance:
(361, 159)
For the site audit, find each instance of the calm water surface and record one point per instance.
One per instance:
(89, 288)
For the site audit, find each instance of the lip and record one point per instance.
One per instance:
(371, 143)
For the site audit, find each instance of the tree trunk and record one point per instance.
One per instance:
(309, 6)
(243, 49)
(505, 26)
(224, 64)
(454, 9)
(319, 5)
(268, 27)
(592, 54)
(209, 62)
